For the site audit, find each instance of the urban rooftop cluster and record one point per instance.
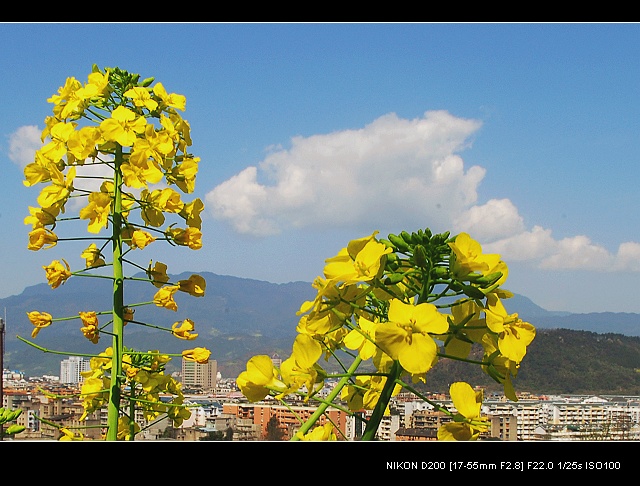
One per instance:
(220, 412)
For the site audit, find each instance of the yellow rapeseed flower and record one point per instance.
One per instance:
(405, 337)
(199, 355)
(164, 297)
(182, 330)
(41, 238)
(40, 320)
(468, 403)
(56, 273)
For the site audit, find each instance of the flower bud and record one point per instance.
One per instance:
(420, 256)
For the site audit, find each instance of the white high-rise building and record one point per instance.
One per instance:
(200, 375)
(71, 368)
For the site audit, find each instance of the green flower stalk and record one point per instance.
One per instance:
(118, 124)
(398, 305)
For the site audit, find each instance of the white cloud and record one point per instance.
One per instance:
(576, 252)
(401, 173)
(498, 218)
(536, 244)
(23, 144)
(392, 170)
(628, 257)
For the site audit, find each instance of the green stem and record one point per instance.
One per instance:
(65, 353)
(323, 407)
(383, 402)
(118, 303)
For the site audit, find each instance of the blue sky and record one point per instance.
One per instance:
(310, 135)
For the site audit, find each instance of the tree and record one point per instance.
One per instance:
(274, 432)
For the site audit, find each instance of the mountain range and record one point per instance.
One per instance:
(236, 319)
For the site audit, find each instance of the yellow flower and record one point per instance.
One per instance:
(82, 143)
(40, 320)
(333, 305)
(94, 393)
(353, 394)
(365, 393)
(468, 403)
(360, 261)
(191, 237)
(77, 96)
(92, 256)
(123, 126)
(173, 100)
(138, 175)
(300, 369)
(362, 338)
(41, 238)
(155, 202)
(38, 218)
(514, 335)
(126, 428)
(191, 213)
(182, 127)
(199, 355)
(68, 435)
(36, 172)
(467, 328)
(183, 330)
(320, 433)
(158, 274)
(498, 367)
(178, 414)
(97, 211)
(259, 378)
(141, 97)
(167, 200)
(164, 297)
(65, 92)
(405, 337)
(468, 259)
(184, 174)
(306, 350)
(56, 273)
(195, 285)
(90, 326)
(155, 145)
(57, 148)
(61, 187)
(140, 239)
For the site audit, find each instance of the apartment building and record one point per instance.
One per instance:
(252, 419)
(199, 376)
(71, 369)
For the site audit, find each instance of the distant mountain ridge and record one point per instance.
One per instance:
(236, 319)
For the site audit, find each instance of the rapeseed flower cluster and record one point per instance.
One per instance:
(401, 304)
(129, 136)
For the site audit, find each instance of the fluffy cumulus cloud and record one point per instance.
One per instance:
(391, 170)
(397, 173)
(572, 253)
(498, 218)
